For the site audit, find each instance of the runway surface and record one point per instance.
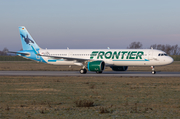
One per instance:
(91, 74)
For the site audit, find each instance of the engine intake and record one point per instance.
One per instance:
(119, 68)
(96, 66)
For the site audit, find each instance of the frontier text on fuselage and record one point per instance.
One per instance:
(117, 55)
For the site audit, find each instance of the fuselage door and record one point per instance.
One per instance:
(150, 55)
(70, 54)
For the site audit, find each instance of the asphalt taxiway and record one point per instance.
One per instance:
(91, 74)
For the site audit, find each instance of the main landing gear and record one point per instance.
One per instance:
(83, 71)
(153, 71)
(99, 72)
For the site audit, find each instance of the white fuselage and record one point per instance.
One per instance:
(111, 57)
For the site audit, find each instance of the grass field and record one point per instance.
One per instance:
(89, 97)
(34, 66)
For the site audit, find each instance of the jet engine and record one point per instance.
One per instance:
(97, 66)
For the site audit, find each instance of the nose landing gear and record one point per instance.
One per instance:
(153, 71)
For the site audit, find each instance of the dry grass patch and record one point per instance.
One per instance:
(44, 89)
(84, 103)
(103, 110)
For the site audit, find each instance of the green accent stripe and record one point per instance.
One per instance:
(131, 60)
(51, 60)
(34, 50)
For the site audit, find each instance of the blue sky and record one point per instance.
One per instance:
(90, 23)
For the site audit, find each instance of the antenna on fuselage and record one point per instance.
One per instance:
(108, 47)
(67, 48)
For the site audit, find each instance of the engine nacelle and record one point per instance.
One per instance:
(96, 66)
(119, 68)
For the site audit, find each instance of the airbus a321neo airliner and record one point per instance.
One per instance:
(94, 60)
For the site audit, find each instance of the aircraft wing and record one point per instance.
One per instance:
(58, 57)
(66, 58)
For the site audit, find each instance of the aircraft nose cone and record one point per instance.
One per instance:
(170, 60)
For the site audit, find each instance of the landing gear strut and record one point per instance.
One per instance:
(153, 71)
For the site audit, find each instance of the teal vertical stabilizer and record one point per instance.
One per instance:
(26, 39)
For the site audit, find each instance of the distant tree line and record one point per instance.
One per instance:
(135, 45)
(169, 49)
(4, 52)
(13, 58)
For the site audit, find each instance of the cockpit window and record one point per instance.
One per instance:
(161, 54)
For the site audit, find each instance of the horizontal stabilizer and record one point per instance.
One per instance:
(19, 53)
